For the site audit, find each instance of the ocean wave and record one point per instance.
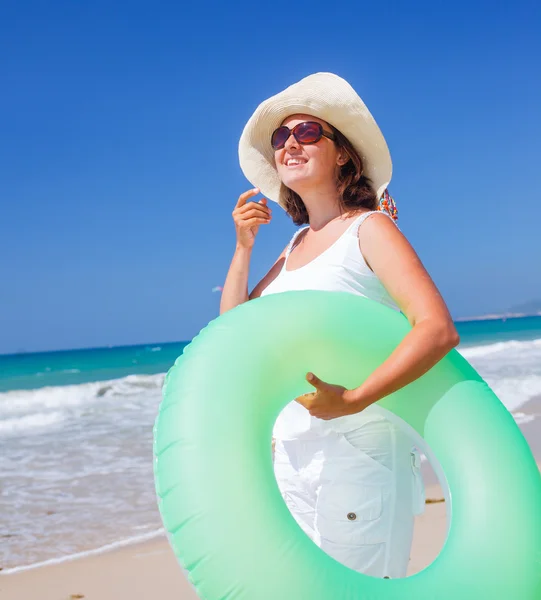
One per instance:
(26, 409)
(500, 347)
(40, 420)
(514, 392)
(48, 371)
(512, 369)
(522, 418)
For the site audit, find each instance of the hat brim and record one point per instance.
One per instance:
(322, 95)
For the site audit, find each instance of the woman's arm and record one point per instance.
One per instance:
(235, 290)
(396, 264)
(248, 217)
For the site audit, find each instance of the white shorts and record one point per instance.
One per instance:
(355, 494)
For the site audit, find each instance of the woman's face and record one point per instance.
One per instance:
(304, 167)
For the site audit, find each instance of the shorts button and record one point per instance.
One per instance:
(352, 516)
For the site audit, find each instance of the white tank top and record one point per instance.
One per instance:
(340, 268)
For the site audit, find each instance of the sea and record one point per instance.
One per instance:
(76, 459)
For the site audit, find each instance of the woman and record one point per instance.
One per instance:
(349, 475)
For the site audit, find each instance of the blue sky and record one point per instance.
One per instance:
(118, 152)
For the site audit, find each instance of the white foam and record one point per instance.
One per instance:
(500, 347)
(34, 411)
(522, 418)
(16, 401)
(517, 391)
(38, 420)
(512, 369)
(108, 547)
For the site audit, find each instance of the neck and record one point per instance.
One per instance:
(322, 204)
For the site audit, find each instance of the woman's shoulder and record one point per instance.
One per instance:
(381, 217)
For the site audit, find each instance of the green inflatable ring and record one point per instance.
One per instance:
(218, 497)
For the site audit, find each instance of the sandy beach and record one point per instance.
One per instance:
(150, 570)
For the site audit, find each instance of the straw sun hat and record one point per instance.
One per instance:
(322, 95)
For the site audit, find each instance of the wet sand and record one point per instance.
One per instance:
(150, 570)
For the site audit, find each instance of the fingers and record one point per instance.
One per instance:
(251, 213)
(314, 380)
(248, 216)
(243, 198)
(245, 205)
(307, 400)
(255, 221)
(253, 209)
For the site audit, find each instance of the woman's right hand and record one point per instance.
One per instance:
(248, 216)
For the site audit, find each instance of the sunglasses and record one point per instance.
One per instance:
(308, 132)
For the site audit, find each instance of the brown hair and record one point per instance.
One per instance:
(355, 190)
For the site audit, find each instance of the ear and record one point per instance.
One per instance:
(343, 158)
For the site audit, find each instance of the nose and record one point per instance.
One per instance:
(291, 142)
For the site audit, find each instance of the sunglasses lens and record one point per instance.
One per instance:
(279, 137)
(308, 132)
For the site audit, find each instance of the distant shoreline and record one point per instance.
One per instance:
(498, 317)
(23, 352)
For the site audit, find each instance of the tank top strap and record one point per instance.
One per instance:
(350, 231)
(353, 228)
(292, 242)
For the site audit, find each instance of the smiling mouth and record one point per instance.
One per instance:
(295, 162)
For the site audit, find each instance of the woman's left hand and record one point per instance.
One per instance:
(329, 401)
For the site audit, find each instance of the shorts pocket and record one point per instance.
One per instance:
(358, 465)
(376, 442)
(351, 514)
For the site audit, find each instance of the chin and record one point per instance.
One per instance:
(297, 183)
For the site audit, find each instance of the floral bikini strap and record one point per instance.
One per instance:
(388, 205)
